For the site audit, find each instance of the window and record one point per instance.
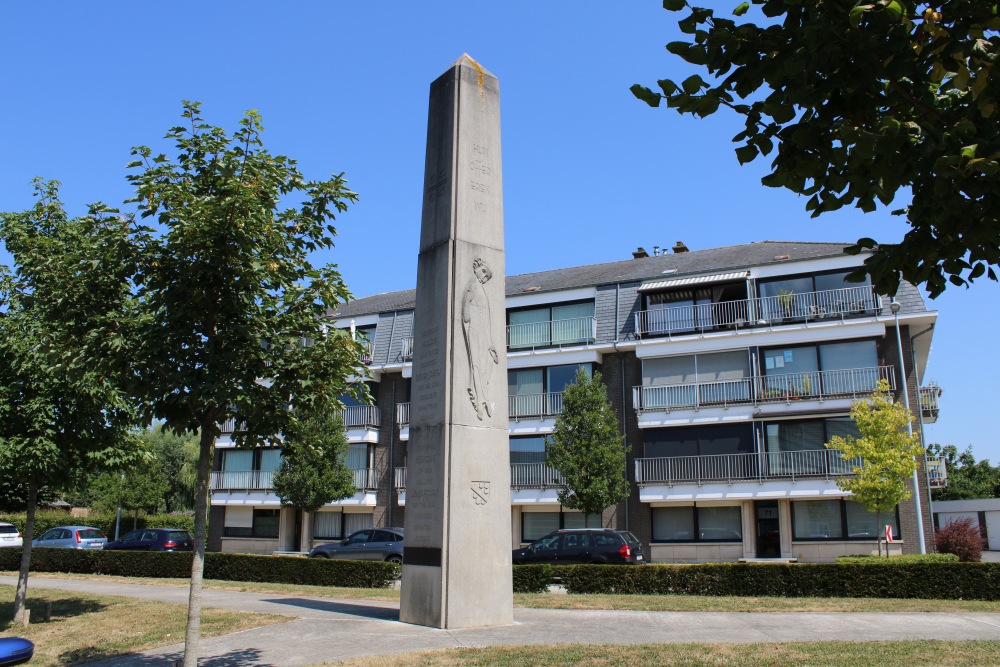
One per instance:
(697, 524)
(530, 449)
(848, 368)
(838, 520)
(698, 440)
(539, 524)
(355, 522)
(327, 525)
(814, 297)
(702, 379)
(542, 326)
(537, 392)
(251, 522)
(705, 308)
(797, 435)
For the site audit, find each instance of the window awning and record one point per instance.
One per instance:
(693, 280)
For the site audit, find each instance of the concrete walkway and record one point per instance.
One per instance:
(326, 630)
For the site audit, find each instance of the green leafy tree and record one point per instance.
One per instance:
(140, 488)
(227, 295)
(864, 103)
(587, 448)
(968, 479)
(885, 454)
(312, 471)
(61, 417)
(177, 456)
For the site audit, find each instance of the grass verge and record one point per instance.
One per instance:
(87, 627)
(609, 602)
(829, 654)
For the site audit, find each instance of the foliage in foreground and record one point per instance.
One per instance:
(865, 103)
(106, 522)
(901, 558)
(962, 538)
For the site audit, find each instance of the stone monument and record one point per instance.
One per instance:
(457, 558)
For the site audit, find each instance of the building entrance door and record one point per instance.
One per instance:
(768, 529)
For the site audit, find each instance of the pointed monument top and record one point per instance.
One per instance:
(468, 61)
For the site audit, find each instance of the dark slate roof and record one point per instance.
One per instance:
(624, 271)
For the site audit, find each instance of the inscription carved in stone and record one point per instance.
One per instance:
(477, 327)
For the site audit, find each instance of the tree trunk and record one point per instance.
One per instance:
(193, 632)
(878, 534)
(135, 520)
(21, 595)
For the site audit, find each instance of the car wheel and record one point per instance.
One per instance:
(394, 558)
(319, 555)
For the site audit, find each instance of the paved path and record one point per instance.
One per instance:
(327, 630)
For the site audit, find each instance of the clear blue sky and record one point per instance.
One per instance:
(589, 172)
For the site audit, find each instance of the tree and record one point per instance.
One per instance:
(61, 417)
(884, 456)
(139, 488)
(867, 103)
(177, 456)
(968, 478)
(227, 297)
(588, 449)
(312, 471)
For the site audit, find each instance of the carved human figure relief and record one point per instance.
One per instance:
(477, 326)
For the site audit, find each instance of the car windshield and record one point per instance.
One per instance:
(8, 529)
(630, 538)
(89, 534)
(178, 535)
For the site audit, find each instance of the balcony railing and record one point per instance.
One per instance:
(552, 333)
(929, 403)
(407, 351)
(535, 405)
(369, 352)
(824, 463)
(758, 312)
(259, 480)
(534, 475)
(229, 426)
(403, 414)
(817, 385)
(937, 472)
(400, 479)
(361, 416)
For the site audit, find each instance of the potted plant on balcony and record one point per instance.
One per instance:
(786, 299)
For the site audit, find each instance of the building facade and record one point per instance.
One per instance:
(728, 369)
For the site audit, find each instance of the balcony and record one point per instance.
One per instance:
(402, 414)
(259, 480)
(522, 475)
(407, 351)
(937, 472)
(795, 308)
(814, 386)
(399, 479)
(522, 406)
(552, 333)
(929, 403)
(369, 353)
(361, 416)
(728, 468)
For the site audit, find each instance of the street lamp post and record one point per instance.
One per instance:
(894, 307)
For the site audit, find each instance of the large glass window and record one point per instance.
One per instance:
(828, 369)
(803, 435)
(539, 524)
(529, 449)
(838, 520)
(698, 440)
(327, 525)
(814, 297)
(559, 324)
(691, 380)
(355, 522)
(536, 392)
(251, 522)
(237, 460)
(697, 524)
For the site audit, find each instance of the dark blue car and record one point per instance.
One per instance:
(153, 539)
(15, 651)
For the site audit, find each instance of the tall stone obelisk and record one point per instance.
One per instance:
(457, 558)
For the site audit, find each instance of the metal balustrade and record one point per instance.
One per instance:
(260, 480)
(400, 479)
(929, 403)
(361, 416)
(758, 312)
(535, 405)
(534, 475)
(817, 385)
(407, 349)
(824, 463)
(369, 352)
(552, 333)
(937, 472)
(403, 414)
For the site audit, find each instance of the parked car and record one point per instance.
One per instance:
(583, 545)
(153, 539)
(72, 537)
(15, 651)
(369, 544)
(10, 536)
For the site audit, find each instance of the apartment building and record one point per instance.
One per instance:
(728, 368)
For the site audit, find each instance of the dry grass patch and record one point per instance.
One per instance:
(88, 627)
(829, 654)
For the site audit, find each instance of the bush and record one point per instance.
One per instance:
(948, 581)
(902, 558)
(229, 567)
(45, 519)
(532, 578)
(962, 538)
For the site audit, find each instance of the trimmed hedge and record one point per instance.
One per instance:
(902, 558)
(532, 578)
(947, 581)
(228, 567)
(45, 519)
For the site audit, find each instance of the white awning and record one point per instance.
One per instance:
(693, 280)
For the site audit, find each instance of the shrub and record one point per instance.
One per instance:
(949, 581)
(532, 578)
(229, 567)
(45, 519)
(962, 538)
(902, 558)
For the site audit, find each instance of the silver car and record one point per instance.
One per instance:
(10, 536)
(72, 537)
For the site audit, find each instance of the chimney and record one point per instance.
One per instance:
(639, 253)
(680, 247)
